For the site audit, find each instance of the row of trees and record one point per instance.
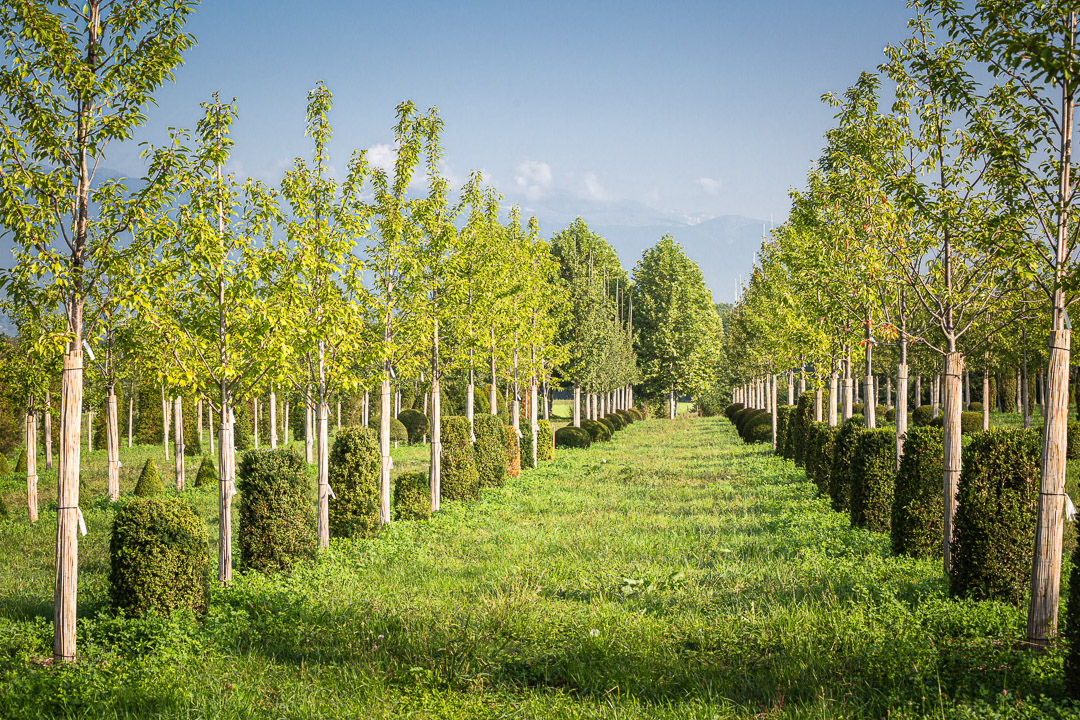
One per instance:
(942, 219)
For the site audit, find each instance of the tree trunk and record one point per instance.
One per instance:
(517, 397)
(31, 462)
(494, 398)
(255, 418)
(90, 432)
(918, 390)
(790, 387)
(772, 394)
(532, 404)
(888, 393)
(986, 392)
(435, 463)
(901, 404)
(954, 367)
(112, 444)
(384, 447)
(1046, 564)
(198, 418)
(935, 394)
(65, 599)
(273, 420)
(285, 424)
(339, 415)
(365, 406)
(832, 397)
(48, 431)
(967, 390)
(848, 388)
(178, 441)
(671, 404)
(165, 422)
(226, 489)
(210, 426)
(817, 404)
(322, 522)
(870, 403)
(577, 406)
(309, 411)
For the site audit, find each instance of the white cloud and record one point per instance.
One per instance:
(593, 189)
(710, 185)
(533, 178)
(383, 157)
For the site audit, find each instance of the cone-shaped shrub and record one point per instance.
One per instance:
(843, 454)
(208, 474)
(783, 421)
(412, 496)
(572, 437)
(5, 468)
(3, 508)
(277, 510)
(873, 472)
(544, 451)
(20, 464)
(489, 450)
(354, 476)
(416, 425)
(1071, 632)
(160, 557)
(149, 481)
(460, 479)
(994, 531)
(916, 512)
(513, 451)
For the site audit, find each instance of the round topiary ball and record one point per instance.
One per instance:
(572, 437)
(598, 432)
(398, 433)
(160, 557)
(970, 422)
(149, 483)
(922, 416)
(412, 496)
(416, 425)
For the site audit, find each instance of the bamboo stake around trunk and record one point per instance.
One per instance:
(112, 444)
(322, 522)
(48, 431)
(577, 406)
(65, 600)
(178, 440)
(954, 366)
(31, 463)
(273, 420)
(832, 397)
(435, 462)
(901, 406)
(309, 411)
(384, 448)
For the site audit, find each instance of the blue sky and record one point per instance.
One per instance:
(674, 109)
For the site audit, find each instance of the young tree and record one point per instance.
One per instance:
(72, 81)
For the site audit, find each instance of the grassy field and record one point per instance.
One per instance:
(674, 572)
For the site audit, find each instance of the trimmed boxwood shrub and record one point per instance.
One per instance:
(355, 461)
(819, 455)
(277, 512)
(20, 464)
(597, 431)
(736, 417)
(994, 532)
(975, 407)
(459, 479)
(5, 468)
(922, 416)
(616, 421)
(513, 451)
(627, 417)
(760, 433)
(890, 415)
(798, 426)
(729, 411)
(489, 450)
(970, 422)
(149, 481)
(412, 496)
(208, 474)
(606, 422)
(572, 437)
(843, 454)
(636, 414)
(873, 472)
(398, 432)
(159, 557)
(916, 512)
(544, 449)
(783, 420)
(938, 422)
(858, 408)
(416, 425)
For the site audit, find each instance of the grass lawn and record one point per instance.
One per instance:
(673, 572)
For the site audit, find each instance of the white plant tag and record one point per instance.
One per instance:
(391, 461)
(1070, 509)
(119, 464)
(330, 491)
(89, 352)
(232, 489)
(472, 437)
(82, 522)
(518, 431)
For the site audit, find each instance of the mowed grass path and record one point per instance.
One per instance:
(674, 572)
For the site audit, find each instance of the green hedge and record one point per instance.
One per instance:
(783, 421)
(544, 450)
(489, 450)
(730, 410)
(917, 503)
(872, 473)
(460, 479)
(412, 496)
(159, 557)
(526, 447)
(277, 514)
(843, 455)
(355, 461)
(798, 426)
(922, 416)
(572, 437)
(819, 456)
(759, 429)
(149, 480)
(994, 529)
(975, 407)
(416, 425)
(605, 421)
(970, 422)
